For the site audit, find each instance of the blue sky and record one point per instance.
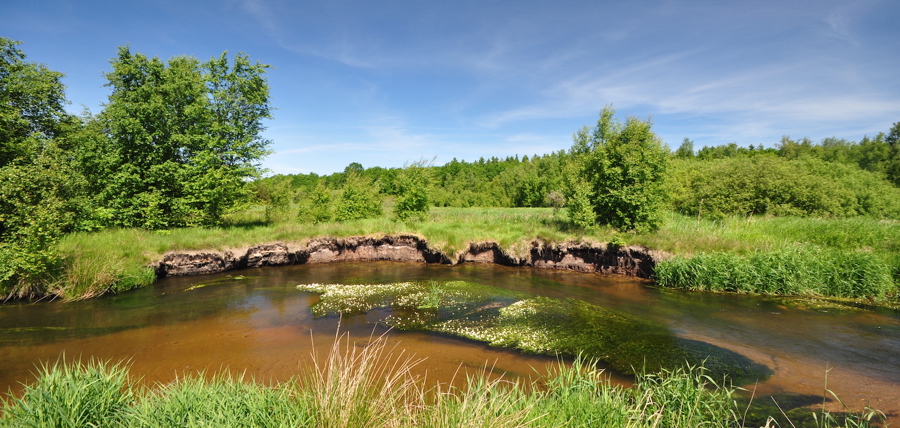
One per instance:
(386, 83)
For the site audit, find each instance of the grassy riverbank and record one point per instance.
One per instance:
(372, 386)
(855, 257)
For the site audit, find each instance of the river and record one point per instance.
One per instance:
(256, 322)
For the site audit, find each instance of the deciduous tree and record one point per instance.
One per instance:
(623, 166)
(185, 136)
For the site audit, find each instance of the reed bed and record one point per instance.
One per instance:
(796, 270)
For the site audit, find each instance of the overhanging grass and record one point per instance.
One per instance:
(116, 259)
(797, 270)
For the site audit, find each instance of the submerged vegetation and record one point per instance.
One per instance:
(374, 386)
(537, 325)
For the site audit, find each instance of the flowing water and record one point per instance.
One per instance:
(256, 322)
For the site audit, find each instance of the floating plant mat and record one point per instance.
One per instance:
(538, 325)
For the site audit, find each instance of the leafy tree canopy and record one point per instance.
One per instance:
(31, 103)
(185, 136)
(623, 166)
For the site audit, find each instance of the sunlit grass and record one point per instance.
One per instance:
(117, 259)
(370, 385)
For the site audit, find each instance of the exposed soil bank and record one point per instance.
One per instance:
(607, 259)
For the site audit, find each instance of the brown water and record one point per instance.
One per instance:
(261, 325)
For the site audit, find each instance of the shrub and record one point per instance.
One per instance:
(624, 165)
(412, 199)
(316, 207)
(358, 200)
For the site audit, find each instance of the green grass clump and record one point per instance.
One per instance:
(799, 270)
(222, 400)
(373, 386)
(73, 395)
(537, 325)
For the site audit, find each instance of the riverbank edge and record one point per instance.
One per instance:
(635, 261)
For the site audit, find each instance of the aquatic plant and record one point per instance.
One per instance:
(537, 325)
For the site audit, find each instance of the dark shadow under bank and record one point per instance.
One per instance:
(606, 259)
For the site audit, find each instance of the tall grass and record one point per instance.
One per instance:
(361, 385)
(223, 400)
(117, 259)
(365, 385)
(797, 270)
(73, 395)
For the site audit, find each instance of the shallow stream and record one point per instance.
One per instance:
(256, 322)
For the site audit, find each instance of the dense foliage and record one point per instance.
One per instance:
(779, 186)
(623, 166)
(833, 178)
(184, 137)
(174, 147)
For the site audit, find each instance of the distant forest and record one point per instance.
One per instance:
(831, 178)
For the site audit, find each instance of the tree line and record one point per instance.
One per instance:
(622, 174)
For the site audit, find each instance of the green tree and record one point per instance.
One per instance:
(358, 200)
(624, 166)
(185, 137)
(893, 163)
(316, 206)
(685, 150)
(873, 153)
(412, 200)
(31, 104)
(42, 195)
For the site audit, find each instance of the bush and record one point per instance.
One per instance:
(358, 200)
(316, 207)
(624, 165)
(412, 199)
(776, 186)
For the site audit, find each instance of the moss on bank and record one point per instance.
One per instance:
(538, 325)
